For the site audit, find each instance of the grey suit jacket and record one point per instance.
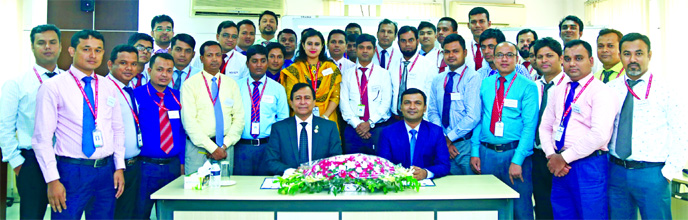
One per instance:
(282, 151)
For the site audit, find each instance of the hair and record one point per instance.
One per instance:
(453, 38)
(43, 28)
(610, 31)
(525, 31)
(365, 37)
(226, 24)
(633, 37)
(188, 39)
(477, 11)
(406, 29)
(492, 33)
(425, 24)
(268, 12)
(353, 37)
(412, 91)
(547, 42)
(354, 25)
(273, 45)
(164, 56)
(299, 86)
(136, 37)
(336, 31)
(287, 31)
(161, 18)
(454, 25)
(85, 34)
(122, 48)
(574, 19)
(255, 49)
(302, 51)
(207, 44)
(579, 42)
(245, 21)
(387, 21)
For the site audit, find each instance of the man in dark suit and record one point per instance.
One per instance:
(302, 138)
(424, 149)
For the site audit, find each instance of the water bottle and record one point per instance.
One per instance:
(215, 176)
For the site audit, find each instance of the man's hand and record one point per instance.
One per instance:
(453, 152)
(119, 182)
(515, 172)
(367, 136)
(564, 171)
(16, 170)
(475, 165)
(57, 196)
(419, 173)
(556, 164)
(363, 128)
(219, 153)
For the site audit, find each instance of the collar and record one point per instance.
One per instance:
(408, 128)
(555, 79)
(156, 47)
(410, 59)
(229, 53)
(119, 83)
(42, 71)
(155, 91)
(237, 48)
(186, 69)
(263, 79)
(616, 68)
(337, 61)
(79, 75)
(379, 48)
(420, 49)
(507, 77)
(581, 81)
(458, 70)
(210, 76)
(358, 65)
(309, 120)
(645, 77)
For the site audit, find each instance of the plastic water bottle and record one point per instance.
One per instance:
(215, 176)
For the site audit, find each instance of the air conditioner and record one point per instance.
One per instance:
(244, 8)
(501, 14)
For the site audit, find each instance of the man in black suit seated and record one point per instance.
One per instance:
(302, 138)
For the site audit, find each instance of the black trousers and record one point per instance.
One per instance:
(542, 186)
(126, 203)
(32, 188)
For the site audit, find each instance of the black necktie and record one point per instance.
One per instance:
(50, 74)
(303, 144)
(543, 105)
(623, 135)
(607, 74)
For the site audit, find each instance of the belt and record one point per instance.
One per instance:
(88, 162)
(466, 137)
(254, 142)
(158, 161)
(593, 154)
(634, 164)
(502, 147)
(131, 161)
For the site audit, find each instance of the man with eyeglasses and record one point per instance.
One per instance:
(488, 41)
(162, 30)
(144, 44)
(503, 141)
(233, 62)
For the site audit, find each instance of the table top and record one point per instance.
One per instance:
(248, 188)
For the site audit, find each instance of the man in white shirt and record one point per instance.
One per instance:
(430, 48)
(445, 27)
(233, 62)
(162, 30)
(524, 40)
(267, 23)
(182, 51)
(365, 96)
(144, 44)
(247, 35)
(385, 52)
(336, 45)
(478, 21)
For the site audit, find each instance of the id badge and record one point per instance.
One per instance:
(499, 129)
(97, 138)
(316, 111)
(255, 128)
(455, 96)
(576, 108)
(139, 139)
(558, 133)
(360, 110)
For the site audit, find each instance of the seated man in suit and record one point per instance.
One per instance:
(301, 138)
(426, 152)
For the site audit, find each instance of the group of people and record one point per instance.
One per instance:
(585, 145)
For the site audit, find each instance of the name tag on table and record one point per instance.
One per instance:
(456, 96)
(328, 71)
(426, 183)
(111, 101)
(173, 114)
(268, 99)
(512, 103)
(268, 183)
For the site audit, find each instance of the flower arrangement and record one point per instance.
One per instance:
(359, 172)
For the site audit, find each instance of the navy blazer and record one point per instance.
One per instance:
(430, 153)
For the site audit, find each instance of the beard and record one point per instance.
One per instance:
(409, 53)
(634, 71)
(524, 53)
(272, 32)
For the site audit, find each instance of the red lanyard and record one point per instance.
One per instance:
(363, 89)
(210, 94)
(501, 106)
(162, 100)
(187, 75)
(223, 67)
(94, 108)
(260, 96)
(388, 62)
(136, 118)
(409, 71)
(314, 76)
(38, 75)
(439, 51)
(647, 92)
(617, 76)
(460, 77)
(568, 110)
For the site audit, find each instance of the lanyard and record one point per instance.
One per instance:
(363, 89)
(388, 62)
(162, 100)
(500, 106)
(38, 75)
(438, 58)
(617, 76)
(647, 92)
(187, 75)
(210, 94)
(409, 71)
(314, 76)
(136, 118)
(544, 83)
(460, 77)
(260, 96)
(223, 67)
(94, 108)
(568, 110)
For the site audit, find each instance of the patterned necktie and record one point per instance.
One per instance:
(565, 123)
(402, 86)
(382, 59)
(499, 101)
(446, 102)
(607, 74)
(543, 105)
(623, 135)
(50, 74)
(219, 120)
(413, 144)
(166, 139)
(303, 144)
(364, 95)
(178, 82)
(478, 58)
(89, 122)
(255, 108)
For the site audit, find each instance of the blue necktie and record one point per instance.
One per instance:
(130, 91)
(569, 100)
(89, 122)
(446, 103)
(219, 120)
(413, 143)
(382, 59)
(178, 82)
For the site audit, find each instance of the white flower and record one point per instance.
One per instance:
(350, 165)
(359, 170)
(364, 164)
(341, 167)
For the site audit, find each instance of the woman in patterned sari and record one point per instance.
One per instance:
(312, 63)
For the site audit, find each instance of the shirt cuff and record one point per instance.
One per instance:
(209, 146)
(430, 174)
(518, 158)
(452, 136)
(16, 161)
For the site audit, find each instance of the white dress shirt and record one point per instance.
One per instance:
(420, 76)
(344, 65)
(435, 56)
(472, 49)
(541, 85)
(131, 147)
(659, 123)
(236, 66)
(391, 57)
(379, 94)
(309, 132)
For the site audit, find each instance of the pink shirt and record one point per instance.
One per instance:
(59, 111)
(588, 130)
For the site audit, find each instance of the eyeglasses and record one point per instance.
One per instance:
(508, 55)
(233, 36)
(142, 49)
(159, 29)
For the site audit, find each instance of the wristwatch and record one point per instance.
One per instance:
(372, 124)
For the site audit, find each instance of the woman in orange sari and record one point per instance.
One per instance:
(313, 67)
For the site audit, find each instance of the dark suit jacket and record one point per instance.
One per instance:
(282, 151)
(430, 153)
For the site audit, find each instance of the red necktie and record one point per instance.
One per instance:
(223, 65)
(499, 101)
(139, 77)
(443, 66)
(478, 58)
(364, 94)
(166, 139)
(526, 64)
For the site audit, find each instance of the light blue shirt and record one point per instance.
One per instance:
(131, 143)
(186, 73)
(464, 113)
(17, 112)
(487, 71)
(520, 121)
(273, 105)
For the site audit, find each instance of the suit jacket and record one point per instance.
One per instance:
(430, 153)
(282, 151)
